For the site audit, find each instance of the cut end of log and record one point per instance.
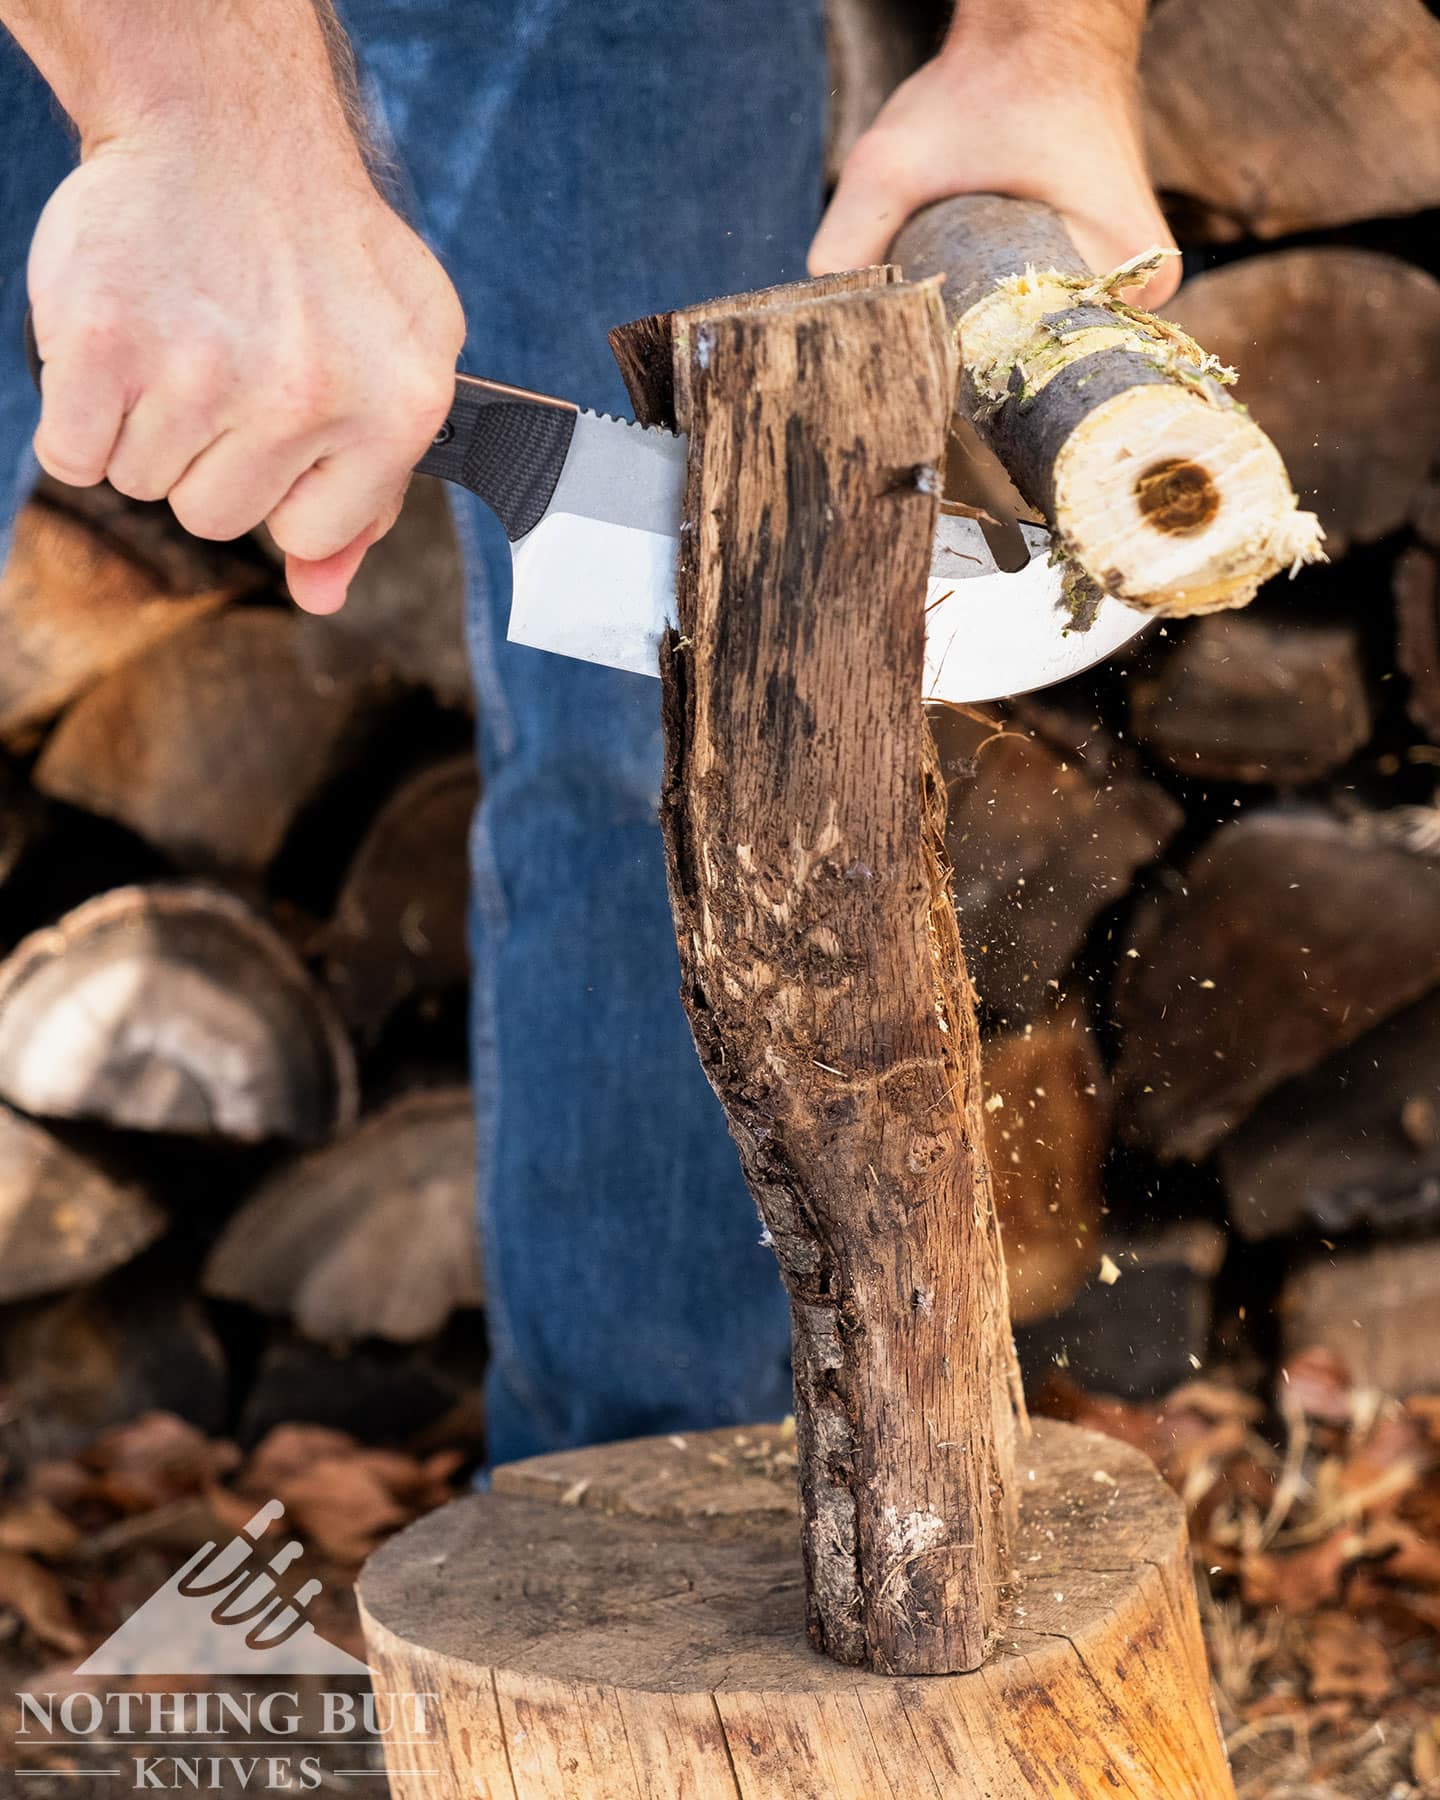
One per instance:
(172, 1009)
(1118, 426)
(1177, 505)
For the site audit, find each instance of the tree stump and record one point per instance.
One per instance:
(629, 1621)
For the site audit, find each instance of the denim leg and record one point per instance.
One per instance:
(38, 154)
(576, 163)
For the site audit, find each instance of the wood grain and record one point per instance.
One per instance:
(579, 1651)
(821, 966)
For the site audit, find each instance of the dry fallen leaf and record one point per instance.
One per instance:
(155, 1459)
(32, 1592)
(1346, 1662)
(36, 1526)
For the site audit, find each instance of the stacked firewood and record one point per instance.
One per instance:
(1200, 888)
(236, 1148)
(1203, 884)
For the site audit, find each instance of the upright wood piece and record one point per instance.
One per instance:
(821, 963)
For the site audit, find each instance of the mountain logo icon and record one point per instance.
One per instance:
(224, 1613)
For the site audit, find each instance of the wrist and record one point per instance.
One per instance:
(1089, 47)
(144, 73)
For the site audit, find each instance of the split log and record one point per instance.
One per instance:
(1341, 365)
(1140, 1325)
(821, 965)
(73, 607)
(1255, 699)
(210, 744)
(1278, 119)
(1047, 1127)
(138, 1342)
(1111, 422)
(1417, 626)
(593, 1628)
(172, 1009)
(1353, 1145)
(63, 1220)
(1375, 1308)
(404, 618)
(371, 1236)
(1290, 935)
(1041, 839)
(400, 923)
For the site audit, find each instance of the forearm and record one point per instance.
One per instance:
(124, 67)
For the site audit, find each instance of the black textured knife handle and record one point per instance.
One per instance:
(505, 444)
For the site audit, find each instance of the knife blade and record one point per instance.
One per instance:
(592, 504)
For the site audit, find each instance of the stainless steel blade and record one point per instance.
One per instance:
(991, 632)
(595, 579)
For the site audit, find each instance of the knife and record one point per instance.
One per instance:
(591, 505)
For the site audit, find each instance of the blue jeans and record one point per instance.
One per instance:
(574, 163)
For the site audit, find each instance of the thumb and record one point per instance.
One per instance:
(321, 587)
(863, 217)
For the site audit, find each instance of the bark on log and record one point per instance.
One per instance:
(822, 970)
(1417, 627)
(1355, 1145)
(172, 1009)
(1042, 839)
(1339, 356)
(1279, 119)
(592, 1629)
(63, 1219)
(210, 744)
(72, 607)
(1047, 1128)
(1255, 699)
(400, 922)
(1160, 489)
(372, 1236)
(1290, 935)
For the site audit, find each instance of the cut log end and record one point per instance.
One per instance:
(627, 1621)
(172, 1009)
(1178, 505)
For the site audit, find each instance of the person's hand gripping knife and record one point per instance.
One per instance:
(229, 314)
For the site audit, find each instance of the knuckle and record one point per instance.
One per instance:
(424, 399)
(308, 537)
(204, 517)
(306, 396)
(74, 471)
(137, 484)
